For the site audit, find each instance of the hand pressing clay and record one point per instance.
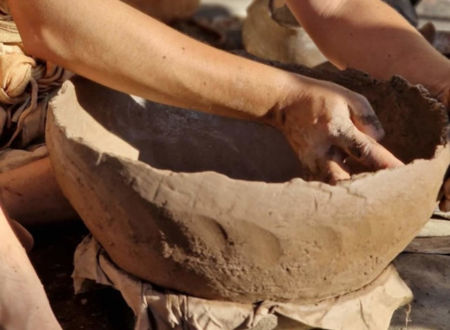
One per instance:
(215, 208)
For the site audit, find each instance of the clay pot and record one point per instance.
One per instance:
(271, 32)
(165, 10)
(213, 207)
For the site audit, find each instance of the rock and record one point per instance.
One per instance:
(213, 207)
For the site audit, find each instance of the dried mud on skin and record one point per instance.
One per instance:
(395, 102)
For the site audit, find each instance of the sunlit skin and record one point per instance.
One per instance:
(30, 308)
(370, 36)
(129, 51)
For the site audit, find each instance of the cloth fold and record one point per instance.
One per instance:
(11, 159)
(26, 84)
(369, 308)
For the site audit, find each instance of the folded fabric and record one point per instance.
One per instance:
(369, 308)
(8, 30)
(14, 158)
(25, 87)
(15, 75)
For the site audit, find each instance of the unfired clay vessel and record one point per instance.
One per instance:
(213, 207)
(271, 32)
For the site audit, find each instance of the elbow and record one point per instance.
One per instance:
(31, 25)
(34, 42)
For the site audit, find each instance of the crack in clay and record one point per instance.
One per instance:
(213, 225)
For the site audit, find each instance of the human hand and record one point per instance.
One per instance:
(327, 123)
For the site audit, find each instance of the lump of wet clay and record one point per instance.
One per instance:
(214, 207)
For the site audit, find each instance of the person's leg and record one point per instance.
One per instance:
(23, 303)
(31, 195)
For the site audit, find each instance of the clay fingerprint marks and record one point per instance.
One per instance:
(202, 206)
(415, 123)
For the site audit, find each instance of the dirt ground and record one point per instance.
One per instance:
(52, 257)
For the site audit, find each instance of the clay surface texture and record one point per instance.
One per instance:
(214, 207)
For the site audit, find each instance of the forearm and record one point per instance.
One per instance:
(32, 310)
(116, 45)
(371, 36)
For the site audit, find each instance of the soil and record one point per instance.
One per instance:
(52, 256)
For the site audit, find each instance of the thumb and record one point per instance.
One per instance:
(364, 118)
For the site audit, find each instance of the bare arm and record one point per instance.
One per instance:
(371, 36)
(17, 275)
(120, 47)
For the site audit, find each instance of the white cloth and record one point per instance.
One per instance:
(369, 308)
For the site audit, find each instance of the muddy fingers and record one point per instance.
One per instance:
(332, 166)
(366, 150)
(329, 123)
(365, 118)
